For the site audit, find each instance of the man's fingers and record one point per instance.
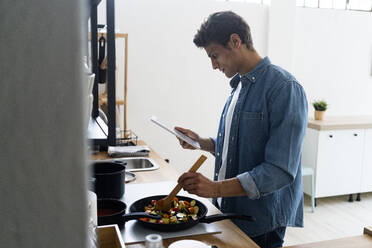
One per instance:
(182, 130)
(185, 145)
(187, 178)
(191, 188)
(183, 177)
(186, 132)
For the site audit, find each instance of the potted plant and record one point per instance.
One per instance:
(320, 107)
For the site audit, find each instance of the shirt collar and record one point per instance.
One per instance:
(252, 75)
(235, 81)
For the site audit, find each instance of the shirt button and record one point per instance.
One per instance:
(216, 174)
(220, 134)
(218, 154)
(230, 160)
(232, 138)
(253, 78)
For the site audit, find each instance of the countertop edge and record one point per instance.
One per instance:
(341, 122)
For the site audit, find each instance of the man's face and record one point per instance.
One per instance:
(222, 58)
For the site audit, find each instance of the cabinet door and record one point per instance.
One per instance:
(367, 162)
(339, 165)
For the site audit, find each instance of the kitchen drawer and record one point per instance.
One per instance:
(110, 237)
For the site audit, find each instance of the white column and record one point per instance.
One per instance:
(281, 29)
(42, 142)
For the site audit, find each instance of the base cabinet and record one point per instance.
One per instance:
(340, 159)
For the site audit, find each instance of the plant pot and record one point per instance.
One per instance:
(319, 115)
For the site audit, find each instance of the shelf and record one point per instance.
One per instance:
(117, 35)
(122, 102)
(104, 34)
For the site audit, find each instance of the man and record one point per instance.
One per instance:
(258, 146)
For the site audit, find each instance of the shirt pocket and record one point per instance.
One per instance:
(252, 130)
(252, 115)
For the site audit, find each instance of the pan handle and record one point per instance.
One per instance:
(138, 215)
(218, 217)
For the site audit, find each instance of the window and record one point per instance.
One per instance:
(361, 5)
(339, 4)
(312, 3)
(267, 2)
(327, 4)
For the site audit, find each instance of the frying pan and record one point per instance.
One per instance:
(139, 206)
(112, 211)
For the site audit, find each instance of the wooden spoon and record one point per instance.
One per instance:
(165, 203)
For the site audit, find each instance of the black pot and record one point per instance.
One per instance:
(109, 179)
(112, 211)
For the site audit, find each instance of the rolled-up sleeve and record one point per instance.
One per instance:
(249, 185)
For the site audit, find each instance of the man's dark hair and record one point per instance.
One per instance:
(218, 28)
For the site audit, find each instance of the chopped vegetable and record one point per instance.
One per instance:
(165, 220)
(196, 209)
(153, 220)
(191, 210)
(180, 212)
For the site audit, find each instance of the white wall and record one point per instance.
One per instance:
(333, 55)
(330, 54)
(281, 31)
(170, 77)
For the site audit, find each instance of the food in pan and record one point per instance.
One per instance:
(181, 211)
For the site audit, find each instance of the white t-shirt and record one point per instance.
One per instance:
(228, 119)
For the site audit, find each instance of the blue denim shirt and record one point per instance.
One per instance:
(267, 130)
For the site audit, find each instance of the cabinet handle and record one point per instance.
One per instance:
(331, 136)
(355, 134)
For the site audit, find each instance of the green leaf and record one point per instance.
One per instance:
(320, 105)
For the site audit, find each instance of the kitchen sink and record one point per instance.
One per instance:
(138, 164)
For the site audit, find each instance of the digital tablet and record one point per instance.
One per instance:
(180, 135)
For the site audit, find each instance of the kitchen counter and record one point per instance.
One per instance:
(231, 235)
(341, 122)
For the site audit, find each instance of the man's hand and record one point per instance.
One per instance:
(189, 133)
(205, 144)
(196, 183)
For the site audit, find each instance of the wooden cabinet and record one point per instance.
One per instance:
(340, 156)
